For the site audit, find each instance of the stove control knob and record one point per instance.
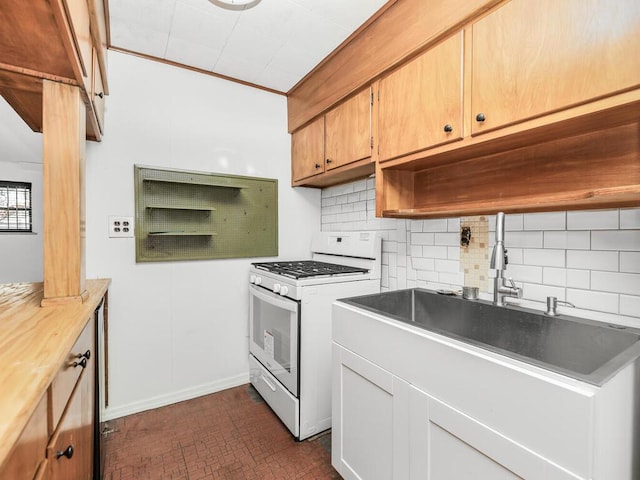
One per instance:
(252, 279)
(258, 280)
(276, 288)
(284, 290)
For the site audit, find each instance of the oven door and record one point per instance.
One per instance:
(273, 334)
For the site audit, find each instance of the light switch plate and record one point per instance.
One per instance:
(120, 227)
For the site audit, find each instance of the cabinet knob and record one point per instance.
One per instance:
(101, 95)
(67, 452)
(448, 128)
(480, 117)
(328, 160)
(82, 363)
(86, 355)
(318, 165)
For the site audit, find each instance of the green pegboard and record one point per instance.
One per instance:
(182, 215)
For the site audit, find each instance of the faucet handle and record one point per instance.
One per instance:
(506, 257)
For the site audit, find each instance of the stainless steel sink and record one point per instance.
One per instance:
(583, 349)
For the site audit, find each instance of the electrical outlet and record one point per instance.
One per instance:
(120, 227)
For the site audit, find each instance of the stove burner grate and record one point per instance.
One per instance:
(309, 269)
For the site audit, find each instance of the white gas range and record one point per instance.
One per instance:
(290, 324)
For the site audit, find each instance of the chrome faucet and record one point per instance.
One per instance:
(499, 262)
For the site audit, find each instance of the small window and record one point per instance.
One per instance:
(15, 207)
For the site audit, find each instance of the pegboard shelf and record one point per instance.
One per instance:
(184, 215)
(181, 207)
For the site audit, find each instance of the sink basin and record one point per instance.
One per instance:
(583, 349)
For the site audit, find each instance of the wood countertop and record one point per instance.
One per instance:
(34, 342)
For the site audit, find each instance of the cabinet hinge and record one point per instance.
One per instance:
(371, 98)
(371, 142)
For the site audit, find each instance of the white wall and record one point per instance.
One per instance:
(590, 258)
(179, 329)
(21, 161)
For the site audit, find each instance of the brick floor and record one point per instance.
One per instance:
(227, 435)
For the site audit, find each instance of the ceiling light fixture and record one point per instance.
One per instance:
(236, 4)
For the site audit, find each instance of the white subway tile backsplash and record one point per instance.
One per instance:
(592, 220)
(525, 273)
(574, 240)
(544, 257)
(578, 278)
(453, 225)
(427, 275)
(422, 264)
(449, 239)
(450, 278)
(515, 256)
(554, 276)
(590, 300)
(615, 282)
(435, 251)
(545, 221)
(630, 218)
(592, 260)
(628, 240)
(539, 293)
(524, 239)
(630, 305)
(422, 238)
(590, 257)
(447, 265)
(435, 225)
(402, 277)
(416, 225)
(512, 222)
(630, 262)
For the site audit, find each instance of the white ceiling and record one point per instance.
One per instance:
(273, 45)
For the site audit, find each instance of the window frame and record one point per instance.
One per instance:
(6, 185)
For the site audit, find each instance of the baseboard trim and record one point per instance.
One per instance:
(111, 413)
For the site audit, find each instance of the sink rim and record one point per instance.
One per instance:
(597, 377)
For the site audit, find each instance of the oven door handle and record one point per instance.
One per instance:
(273, 299)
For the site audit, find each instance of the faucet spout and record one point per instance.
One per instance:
(499, 261)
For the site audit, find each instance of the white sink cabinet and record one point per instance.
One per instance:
(412, 404)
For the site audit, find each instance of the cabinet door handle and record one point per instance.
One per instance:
(67, 452)
(448, 128)
(328, 160)
(481, 117)
(82, 363)
(101, 95)
(86, 355)
(318, 165)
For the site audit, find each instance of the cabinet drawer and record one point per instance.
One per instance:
(70, 450)
(30, 448)
(67, 376)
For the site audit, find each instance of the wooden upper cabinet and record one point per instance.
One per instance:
(54, 40)
(307, 150)
(533, 58)
(421, 102)
(348, 131)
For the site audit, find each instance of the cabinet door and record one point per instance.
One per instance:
(70, 450)
(348, 131)
(29, 450)
(447, 444)
(307, 150)
(531, 58)
(421, 102)
(369, 419)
